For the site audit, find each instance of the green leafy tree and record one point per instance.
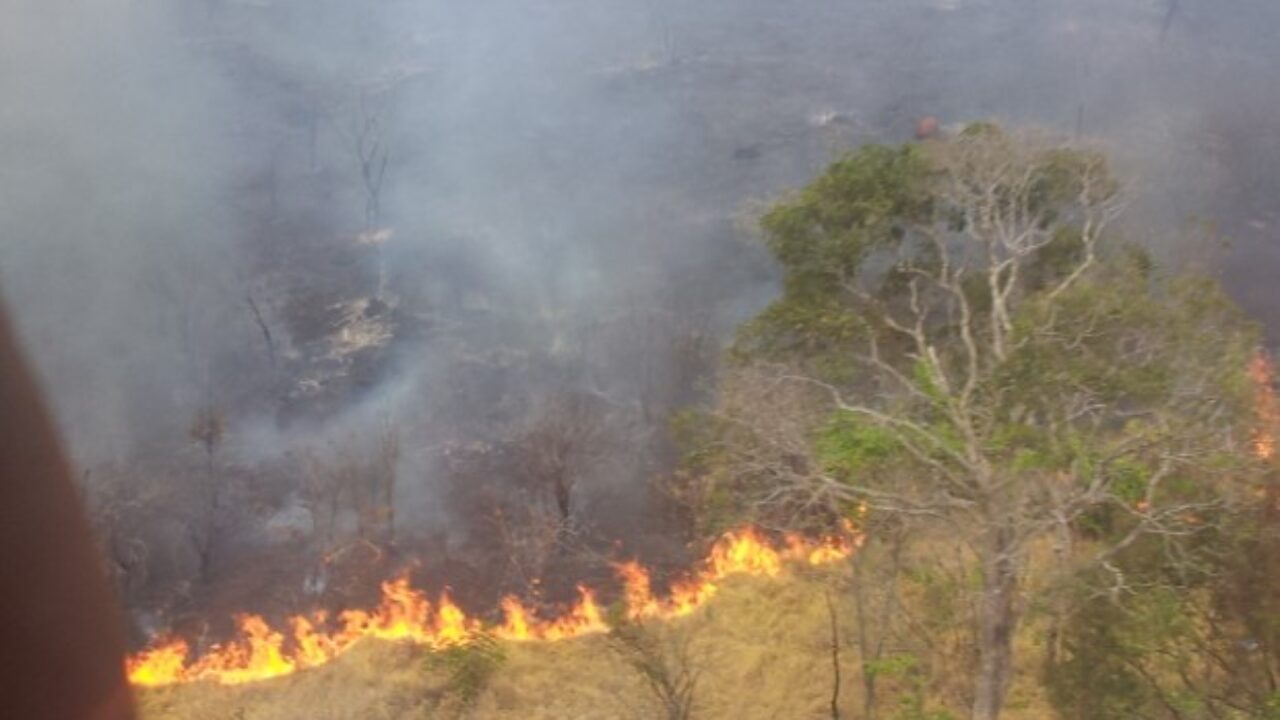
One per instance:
(959, 340)
(1189, 641)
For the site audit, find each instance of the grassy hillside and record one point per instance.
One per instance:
(760, 649)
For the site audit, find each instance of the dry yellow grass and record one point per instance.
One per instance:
(762, 648)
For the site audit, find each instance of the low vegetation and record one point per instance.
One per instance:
(468, 667)
(660, 657)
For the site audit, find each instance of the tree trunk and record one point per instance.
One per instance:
(391, 511)
(835, 657)
(997, 621)
(865, 650)
(206, 548)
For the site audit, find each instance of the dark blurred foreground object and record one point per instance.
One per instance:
(61, 648)
(926, 127)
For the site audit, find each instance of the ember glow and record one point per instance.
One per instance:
(260, 652)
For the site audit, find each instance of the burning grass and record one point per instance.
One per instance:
(758, 646)
(262, 652)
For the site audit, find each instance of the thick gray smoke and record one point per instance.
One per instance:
(113, 184)
(475, 216)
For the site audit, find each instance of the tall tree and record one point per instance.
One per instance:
(976, 352)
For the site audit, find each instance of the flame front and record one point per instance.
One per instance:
(260, 652)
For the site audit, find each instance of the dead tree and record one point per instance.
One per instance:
(208, 429)
(262, 325)
(325, 481)
(382, 476)
(357, 474)
(365, 132)
(117, 509)
(662, 658)
(565, 434)
(834, 623)
(371, 151)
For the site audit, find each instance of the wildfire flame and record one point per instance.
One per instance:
(1262, 372)
(260, 652)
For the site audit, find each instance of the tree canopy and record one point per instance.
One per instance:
(962, 337)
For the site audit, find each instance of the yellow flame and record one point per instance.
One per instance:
(259, 652)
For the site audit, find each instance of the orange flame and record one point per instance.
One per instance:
(1262, 372)
(404, 614)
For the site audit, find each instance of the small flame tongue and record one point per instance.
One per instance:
(1262, 372)
(260, 652)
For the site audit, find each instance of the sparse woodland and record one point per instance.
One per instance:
(967, 359)
(1058, 452)
(501, 342)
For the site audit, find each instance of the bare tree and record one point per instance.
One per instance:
(208, 429)
(662, 658)
(530, 533)
(369, 140)
(356, 474)
(382, 476)
(878, 606)
(325, 481)
(117, 509)
(763, 434)
(262, 325)
(833, 620)
(366, 131)
(565, 433)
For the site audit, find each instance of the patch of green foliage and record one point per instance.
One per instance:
(822, 235)
(848, 446)
(907, 669)
(469, 666)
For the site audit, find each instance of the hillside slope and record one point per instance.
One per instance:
(760, 649)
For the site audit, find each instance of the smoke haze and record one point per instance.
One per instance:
(314, 214)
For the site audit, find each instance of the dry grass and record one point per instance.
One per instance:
(762, 649)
